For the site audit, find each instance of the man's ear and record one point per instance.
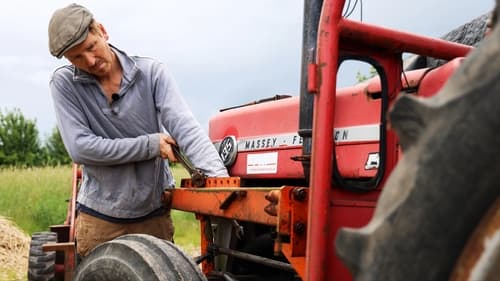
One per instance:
(103, 31)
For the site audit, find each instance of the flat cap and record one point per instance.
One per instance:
(68, 27)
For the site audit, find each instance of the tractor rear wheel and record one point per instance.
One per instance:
(137, 257)
(41, 264)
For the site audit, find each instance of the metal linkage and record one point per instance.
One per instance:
(256, 259)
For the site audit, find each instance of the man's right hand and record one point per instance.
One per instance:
(166, 151)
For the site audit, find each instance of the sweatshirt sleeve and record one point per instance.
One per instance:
(181, 124)
(83, 146)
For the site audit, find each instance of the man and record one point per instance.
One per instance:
(111, 109)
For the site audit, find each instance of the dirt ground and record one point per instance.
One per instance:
(14, 248)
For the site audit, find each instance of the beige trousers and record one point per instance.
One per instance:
(92, 231)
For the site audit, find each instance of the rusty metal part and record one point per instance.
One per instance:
(206, 244)
(198, 178)
(256, 259)
(292, 223)
(207, 201)
(480, 259)
(231, 198)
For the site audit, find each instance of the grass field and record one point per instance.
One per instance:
(36, 198)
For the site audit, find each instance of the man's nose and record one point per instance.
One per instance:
(90, 60)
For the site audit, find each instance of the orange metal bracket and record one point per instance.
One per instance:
(246, 204)
(221, 197)
(69, 255)
(292, 222)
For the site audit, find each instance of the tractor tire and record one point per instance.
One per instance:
(445, 183)
(137, 257)
(41, 264)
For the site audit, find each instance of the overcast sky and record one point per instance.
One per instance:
(221, 52)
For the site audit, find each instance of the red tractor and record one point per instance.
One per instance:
(307, 171)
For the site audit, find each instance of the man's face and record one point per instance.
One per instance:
(93, 55)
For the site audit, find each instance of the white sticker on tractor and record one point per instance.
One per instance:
(373, 161)
(363, 133)
(262, 163)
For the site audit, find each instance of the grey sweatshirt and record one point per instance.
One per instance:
(118, 143)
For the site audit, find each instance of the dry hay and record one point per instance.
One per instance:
(14, 248)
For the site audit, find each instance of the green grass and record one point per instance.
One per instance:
(35, 198)
(187, 228)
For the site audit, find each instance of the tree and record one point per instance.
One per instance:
(19, 145)
(56, 150)
(372, 72)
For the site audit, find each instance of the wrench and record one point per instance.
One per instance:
(198, 178)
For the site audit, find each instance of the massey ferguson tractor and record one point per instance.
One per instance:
(394, 178)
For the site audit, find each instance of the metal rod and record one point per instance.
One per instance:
(223, 275)
(256, 259)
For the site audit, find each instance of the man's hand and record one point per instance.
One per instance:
(166, 151)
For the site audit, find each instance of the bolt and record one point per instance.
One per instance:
(300, 193)
(299, 227)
